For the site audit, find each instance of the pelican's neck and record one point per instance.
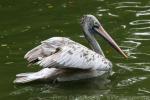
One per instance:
(93, 42)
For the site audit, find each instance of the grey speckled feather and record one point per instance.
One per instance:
(61, 52)
(64, 60)
(60, 56)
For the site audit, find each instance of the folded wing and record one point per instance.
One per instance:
(46, 48)
(67, 54)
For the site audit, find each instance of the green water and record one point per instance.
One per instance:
(24, 23)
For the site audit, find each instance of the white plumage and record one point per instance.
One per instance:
(63, 59)
(61, 52)
(62, 55)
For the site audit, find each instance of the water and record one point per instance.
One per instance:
(24, 23)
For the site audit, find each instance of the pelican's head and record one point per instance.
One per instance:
(91, 25)
(89, 22)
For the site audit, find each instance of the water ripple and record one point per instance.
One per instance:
(133, 43)
(100, 9)
(127, 3)
(28, 89)
(144, 12)
(141, 53)
(143, 33)
(140, 22)
(3, 45)
(143, 90)
(113, 15)
(27, 28)
(120, 7)
(129, 46)
(130, 81)
(142, 28)
(135, 66)
(138, 39)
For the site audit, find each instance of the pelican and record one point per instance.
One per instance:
(63, 59)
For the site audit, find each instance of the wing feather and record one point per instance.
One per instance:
(60, 52)
(46, 49)
(78, 57)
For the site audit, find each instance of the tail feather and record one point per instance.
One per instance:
(46, 73)
(24, 74)
(25, 78)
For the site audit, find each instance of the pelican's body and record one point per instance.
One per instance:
(63, 59)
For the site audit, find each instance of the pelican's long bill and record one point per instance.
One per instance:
(104, 34)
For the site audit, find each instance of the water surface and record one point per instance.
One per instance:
(24, 23)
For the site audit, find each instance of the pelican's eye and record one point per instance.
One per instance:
(96, 24)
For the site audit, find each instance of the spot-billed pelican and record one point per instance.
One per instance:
(63, 59)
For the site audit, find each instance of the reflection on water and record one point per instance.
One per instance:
(23, 24)
(97, 86)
